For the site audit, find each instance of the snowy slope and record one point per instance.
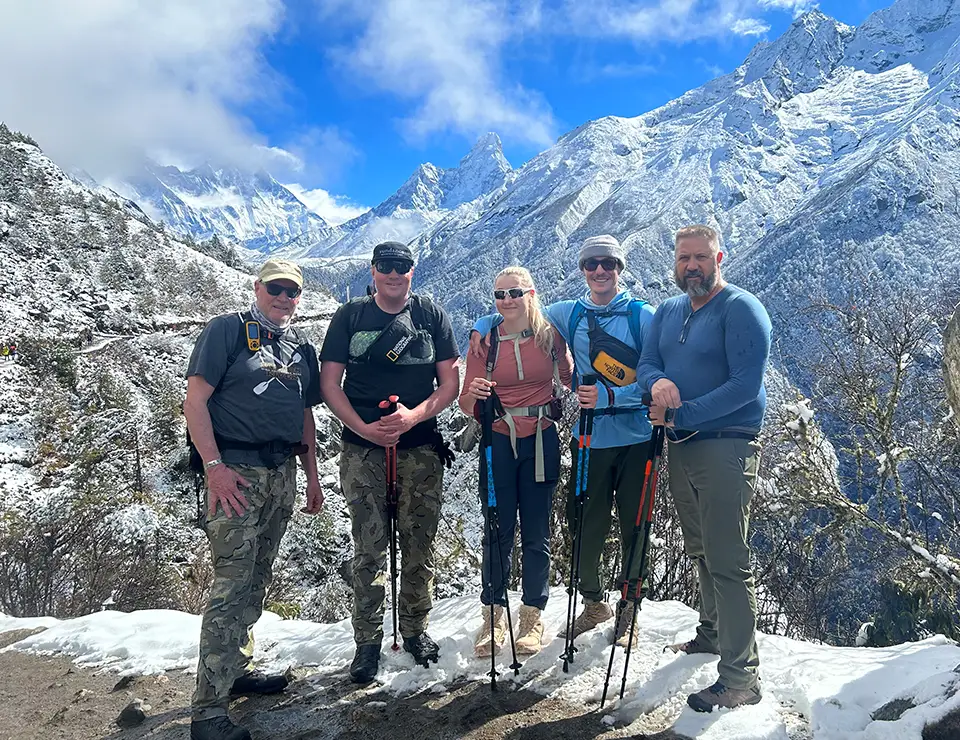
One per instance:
(810, 691)
(250, 208)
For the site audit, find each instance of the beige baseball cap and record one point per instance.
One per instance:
(277, 269)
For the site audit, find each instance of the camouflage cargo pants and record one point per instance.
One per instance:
(243, 549)
(419, 482)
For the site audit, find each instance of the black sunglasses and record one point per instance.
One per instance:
(609, 264)
(276, 289)
(512, 292)
(385, 267)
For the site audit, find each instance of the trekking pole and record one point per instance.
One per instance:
(386, 408)
(583, 464)
(643, 524)
(493, 538)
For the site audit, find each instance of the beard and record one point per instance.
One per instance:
(699, 289)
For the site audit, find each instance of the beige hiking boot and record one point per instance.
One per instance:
(530, 631)
(594, 613)
(621, 633)
(692, 647)
(482, 643)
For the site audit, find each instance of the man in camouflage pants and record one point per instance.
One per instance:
(391, 343)
(252, 381)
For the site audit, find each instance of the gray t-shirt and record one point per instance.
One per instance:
(261, 397)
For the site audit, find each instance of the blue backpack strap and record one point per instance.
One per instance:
(576, 316)
(633, 320)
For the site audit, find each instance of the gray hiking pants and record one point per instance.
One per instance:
(712, 482)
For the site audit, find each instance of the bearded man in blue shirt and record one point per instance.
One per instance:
(703, 362)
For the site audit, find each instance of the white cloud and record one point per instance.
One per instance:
(101, 82)
(334, 209)
(676, 21)
(446, 57)
(749, 27)
(797, 6)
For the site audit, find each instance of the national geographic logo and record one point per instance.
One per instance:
(394, 354)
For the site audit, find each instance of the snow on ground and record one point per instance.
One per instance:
(833, 690)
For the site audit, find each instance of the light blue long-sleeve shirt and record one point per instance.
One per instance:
(718, 367)
(618, 430)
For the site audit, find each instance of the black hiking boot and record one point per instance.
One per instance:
(258, 682)
(217, 728)
(422, 648)
(365, 663)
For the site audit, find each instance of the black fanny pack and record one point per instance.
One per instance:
(398, 338)
(614, 361)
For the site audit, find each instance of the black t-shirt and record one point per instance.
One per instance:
(369, 379)
(261, 397)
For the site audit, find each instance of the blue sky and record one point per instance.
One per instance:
(344, 98)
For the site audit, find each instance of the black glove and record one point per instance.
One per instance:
(442, 448)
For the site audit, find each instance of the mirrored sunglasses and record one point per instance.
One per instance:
(512, 292)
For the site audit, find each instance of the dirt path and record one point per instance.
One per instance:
(48, 698)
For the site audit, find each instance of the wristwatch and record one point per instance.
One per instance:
(212, 464)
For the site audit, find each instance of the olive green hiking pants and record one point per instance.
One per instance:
(712, 482)
(614, 474)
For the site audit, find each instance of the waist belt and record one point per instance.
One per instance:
(682, 436)
(272, 454)
(540, 412)
(613, 411)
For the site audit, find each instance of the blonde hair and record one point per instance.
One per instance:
(542, 331)
(699, 231)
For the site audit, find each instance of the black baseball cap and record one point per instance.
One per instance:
(392, 251)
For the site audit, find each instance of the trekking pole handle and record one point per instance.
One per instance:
(590, 379)
(389, 406)
(647, 399)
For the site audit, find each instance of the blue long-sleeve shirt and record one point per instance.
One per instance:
(718, 367)
(617, 430)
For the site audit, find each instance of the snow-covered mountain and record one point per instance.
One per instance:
(252, 209)
(814, 134)
(429, 195)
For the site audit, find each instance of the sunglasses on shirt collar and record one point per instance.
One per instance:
(385, 267)
(276, 289)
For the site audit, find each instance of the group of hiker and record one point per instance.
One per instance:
(8, 351)
(691, 370)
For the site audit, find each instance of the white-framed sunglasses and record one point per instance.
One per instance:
(501, 294)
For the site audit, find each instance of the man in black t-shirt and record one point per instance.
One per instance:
(391, 343)
(252, 383)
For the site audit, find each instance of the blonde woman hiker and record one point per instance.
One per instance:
(524, 366)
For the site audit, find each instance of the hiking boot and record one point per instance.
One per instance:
(719, 695)
(365, 663)
(691, 647)
(422, 648)
(258, 682)
(530, 631)
(217, 728)
(594, 613)
(482, 644)
(621, 633)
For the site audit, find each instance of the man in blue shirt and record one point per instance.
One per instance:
(703, 363)
(621, 431)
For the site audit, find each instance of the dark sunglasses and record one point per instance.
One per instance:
(276, 289)
(512, 292)
(385, 267)
(609, 264)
